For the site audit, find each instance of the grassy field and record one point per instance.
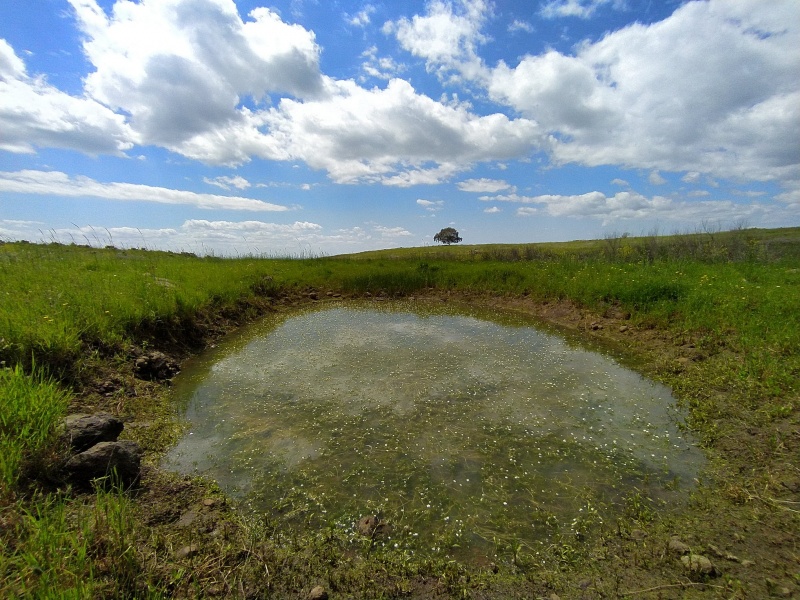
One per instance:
(715, 315)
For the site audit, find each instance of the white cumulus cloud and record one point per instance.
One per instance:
(34, 114)
(713, 89)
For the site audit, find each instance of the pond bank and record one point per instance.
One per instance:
(741, 518)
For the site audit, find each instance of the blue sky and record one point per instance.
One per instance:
(308, 126)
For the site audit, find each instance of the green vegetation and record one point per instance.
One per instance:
(716, 315)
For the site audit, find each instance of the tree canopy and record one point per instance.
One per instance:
(447, 236)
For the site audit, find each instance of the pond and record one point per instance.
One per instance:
(459, 428)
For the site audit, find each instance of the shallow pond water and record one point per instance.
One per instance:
(459, 428)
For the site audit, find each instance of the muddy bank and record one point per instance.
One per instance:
(745, 532)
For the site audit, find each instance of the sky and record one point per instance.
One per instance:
(313, 127)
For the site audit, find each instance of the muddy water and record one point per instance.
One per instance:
(458, 428)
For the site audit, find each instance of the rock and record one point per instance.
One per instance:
(748, 563)
(187, 519)
(638, 535)
(210, 502)
(155, 366)
(318, 593)
(721, 554)
(698, 564)
(623, 328)
(84, 431)
(678, 547)
(372, 526)
(313, 296)
(595, 326)
(103, 459)
(187, 551)
(366, 525)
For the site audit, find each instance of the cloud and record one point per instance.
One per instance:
(393, 135)
(518, 26)
(655, 178)
(711, 89)
(431, 205)
(582, 9)
(691, 177)
(34, 114)
(222, 238)
(628, 205)
(391, 232)
(620, 182)
(488, 186)
(447, 36)
(361, 18)
(200, 87)
(384, 68)
(226, 182)
(199, 61)
(55, 183)
(492, 210)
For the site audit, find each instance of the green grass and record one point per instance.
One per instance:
(30, 410)
(732, 297)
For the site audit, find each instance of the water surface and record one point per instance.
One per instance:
(456, 427)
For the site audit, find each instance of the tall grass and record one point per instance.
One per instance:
(31, 408)
(58, 547)
(58, 300)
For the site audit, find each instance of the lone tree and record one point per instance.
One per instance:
(447, 236)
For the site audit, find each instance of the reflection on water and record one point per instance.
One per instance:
(453, 426)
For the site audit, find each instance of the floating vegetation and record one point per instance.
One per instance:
(462, 430)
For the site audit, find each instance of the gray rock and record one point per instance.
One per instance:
(103, 459)
(84, 431)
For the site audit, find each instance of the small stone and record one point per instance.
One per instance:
(210, 502)
(638, 535)
(678, 547)
(623, 328)
(748, 563)
(84, 431)
(103, 459)
(318, 593)
(187, 552)
(697, 563)
(554, 596)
